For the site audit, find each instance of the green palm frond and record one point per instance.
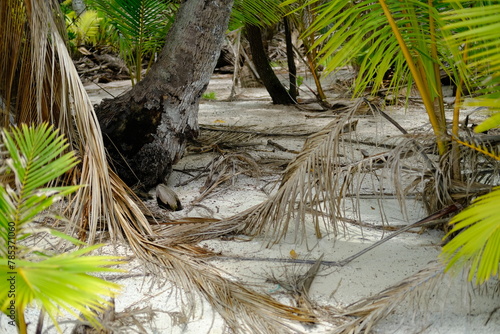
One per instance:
(261, 13)
(476, 25)
(142, 24)
(389, 37)
(475, 33)
(35, 156)
(478, 244)
(491, 122)
(359, 32)
(137, 20)
(61, 281)
(84, 27)
(42, 147)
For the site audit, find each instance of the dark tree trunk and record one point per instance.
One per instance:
(147, 128)
(278, 93)
(292, 69)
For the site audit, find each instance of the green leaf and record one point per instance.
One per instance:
(261, 13)
(490, 123)
(137, 20)
(60, 281)
(64, 236)
(476, 25)
(477, 246)
(142, 27)
(36, 156)
(359, 33)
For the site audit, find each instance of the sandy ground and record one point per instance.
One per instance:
(449, 308)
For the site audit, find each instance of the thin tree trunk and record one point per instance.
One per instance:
(237, 64)
(278, 93)
(292, 69)
(146, 129)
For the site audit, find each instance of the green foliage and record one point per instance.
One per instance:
(388, 36)
(142, 26)
(66, 6)
(300, 80)
(262, 13)
(478, 244)
(474, 33)
(209, 96)
(475, 37)
(276, 64)
(490, 123)
(34, 157)
(83, 29)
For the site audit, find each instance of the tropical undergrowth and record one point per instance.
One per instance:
(39, 275)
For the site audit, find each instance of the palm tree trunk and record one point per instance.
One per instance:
(278, 93)
(146, 129)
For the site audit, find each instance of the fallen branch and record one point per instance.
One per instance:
(281, 148)
(102, 67)
(268, 134)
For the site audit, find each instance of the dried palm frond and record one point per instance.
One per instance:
(329, 169)
(226, 167)
(478, 172)
(323, 174)
(418, 288)
(243, 310)
(222, 137)
(305, 182)
(298, 285)
(38, 83)
(238, 136)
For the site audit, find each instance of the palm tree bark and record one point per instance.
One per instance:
(278, 93)
(146, 129)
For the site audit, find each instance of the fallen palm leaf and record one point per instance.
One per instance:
(369, 311)
(226, 167)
